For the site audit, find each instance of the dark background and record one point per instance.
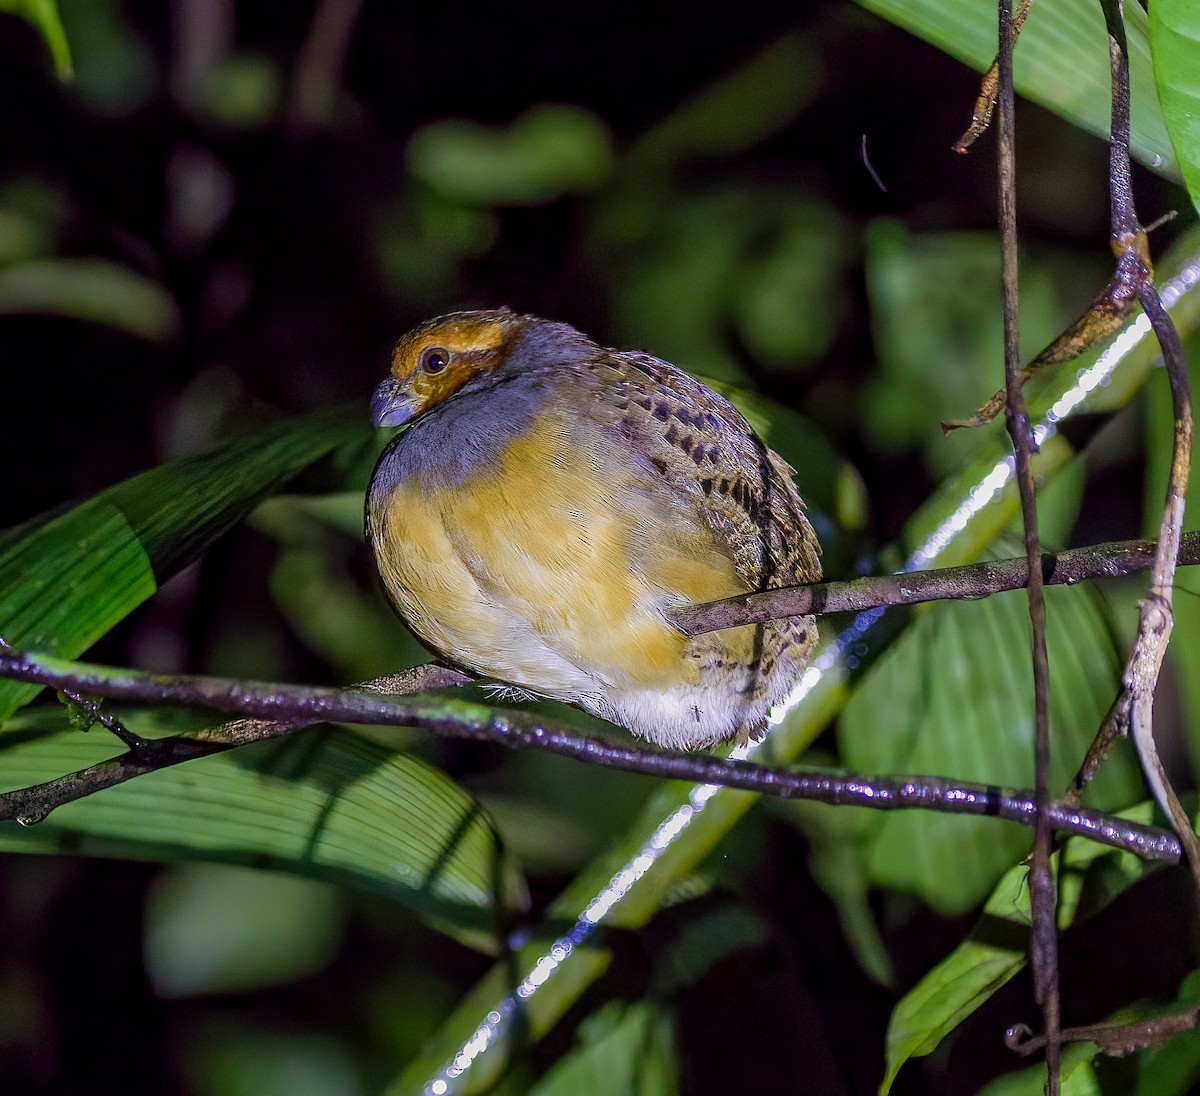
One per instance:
(288, 246)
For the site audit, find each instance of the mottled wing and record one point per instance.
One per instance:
(700, 442)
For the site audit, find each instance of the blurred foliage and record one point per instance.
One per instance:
(44, 15)
(188, 248)
(214, 929)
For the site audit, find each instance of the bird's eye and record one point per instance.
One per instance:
(434, 359)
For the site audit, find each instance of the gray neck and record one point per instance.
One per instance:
(467, 434)
(464, 438)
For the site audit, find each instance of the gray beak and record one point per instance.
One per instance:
(389, 406)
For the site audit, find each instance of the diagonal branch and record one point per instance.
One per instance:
(974, 580)
(274, 710)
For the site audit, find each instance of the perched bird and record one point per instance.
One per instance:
(552, 501)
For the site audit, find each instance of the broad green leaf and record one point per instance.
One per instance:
(64, 583)
(954, 695)
(90, 289)
(996, 949)
(1061, 62)
(66, 580)
(625, 1048)
(44, 15)
(1175, 38)
(325, 804)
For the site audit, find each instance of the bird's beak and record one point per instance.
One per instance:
(390, 406)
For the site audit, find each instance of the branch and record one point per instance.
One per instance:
(1115, 1040)
(278, 709)
(975, 580)
(1134, 708)
(989, 87)
(1044, 929)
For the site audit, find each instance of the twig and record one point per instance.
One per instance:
(981, 118)
(278, 709)
(1044, 942)
(1115, 1040)
(95, 714)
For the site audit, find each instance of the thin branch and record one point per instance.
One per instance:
(278, 709)
(1135, 707)
(1115, 1040)
(989, 87)
(1044, 941)
(975, 580)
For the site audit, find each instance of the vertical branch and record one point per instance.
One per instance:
(1041, 881)
(1156, 615)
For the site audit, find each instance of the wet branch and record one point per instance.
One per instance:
(270, 710)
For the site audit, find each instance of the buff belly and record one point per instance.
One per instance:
(520, 575)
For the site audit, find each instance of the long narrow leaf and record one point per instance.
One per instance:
(1061, 62)
(321, 803)
(66, 580)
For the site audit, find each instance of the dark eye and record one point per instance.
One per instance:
(434, 359)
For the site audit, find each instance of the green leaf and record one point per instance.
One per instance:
(94, 290)
(549, 151)
(1076, 1075)
(626, 1048)
(44, 15)
(955, 695)
(1175, 38)
(319, 803)
(996, 949)
(1061, 62)
(213, 928)
(66, 580)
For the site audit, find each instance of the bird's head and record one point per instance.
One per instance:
(434, 361)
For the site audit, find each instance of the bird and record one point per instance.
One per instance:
(549, 504)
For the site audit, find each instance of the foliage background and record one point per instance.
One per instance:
(195, 234)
